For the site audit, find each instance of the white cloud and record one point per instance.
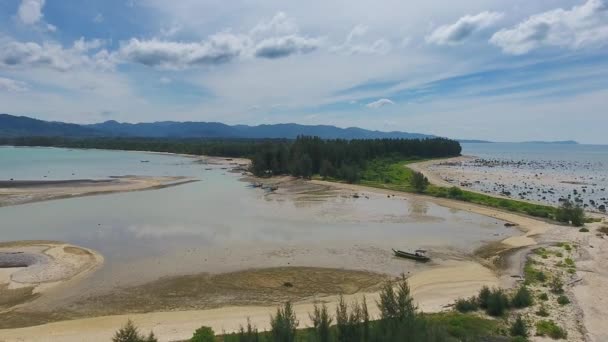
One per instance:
(53, 55)
(98, 19)
(379, 103)
(30, 11)
(7, 84)
(280, 24)
(165, 80)
(219, 48)
(351, 46)
(279, 47)
(462, 29)
(581, 26)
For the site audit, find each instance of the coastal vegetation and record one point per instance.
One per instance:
(399, 320)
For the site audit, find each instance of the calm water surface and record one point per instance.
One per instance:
(221, 224)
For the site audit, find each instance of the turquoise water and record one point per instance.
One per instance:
(222, 224)
(25, 163)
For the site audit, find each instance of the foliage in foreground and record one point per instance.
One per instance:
(399, 320)
(130, 333)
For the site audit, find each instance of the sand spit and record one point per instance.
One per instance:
(29, 268)
(20, 192)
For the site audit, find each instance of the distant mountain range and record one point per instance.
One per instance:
(13, 126)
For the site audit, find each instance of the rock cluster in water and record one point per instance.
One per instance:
(546, 181)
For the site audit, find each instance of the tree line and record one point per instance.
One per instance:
(337, 158)
(342, 159)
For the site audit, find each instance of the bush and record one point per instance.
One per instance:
(284, 324)
(497, 303)
(482, 298)
(129, 333)
(522, 298)
(467, 305)
(584, 230)
(519, 327)
(250, 334)
(543, 296)
(549, 328)
(203, 334)
(563, 300)
(455, 192)
(321, 322)
(569, 213)
(557, 286)
(542, 311)
(419, 182)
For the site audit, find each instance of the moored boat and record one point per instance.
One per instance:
(418, 255)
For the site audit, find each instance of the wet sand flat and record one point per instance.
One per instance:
(26, 191)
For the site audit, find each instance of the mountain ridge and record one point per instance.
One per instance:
(14, 126)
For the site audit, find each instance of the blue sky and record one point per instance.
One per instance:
(498, 70)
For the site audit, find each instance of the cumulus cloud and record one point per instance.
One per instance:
(30, 11)
(379, 103)
(7, 84)
(463, 28)
(219, 48)
(580, 26)
(54, 56)
(352, 46)
(279, 47)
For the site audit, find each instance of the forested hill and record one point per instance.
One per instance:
(11, 126)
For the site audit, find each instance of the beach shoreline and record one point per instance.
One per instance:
(433, 289)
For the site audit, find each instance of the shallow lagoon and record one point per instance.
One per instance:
(221, 224)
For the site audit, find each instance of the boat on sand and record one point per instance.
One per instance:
(418, 255)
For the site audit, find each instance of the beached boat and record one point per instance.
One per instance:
(418, 255)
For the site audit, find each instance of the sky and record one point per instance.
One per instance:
(511, 70)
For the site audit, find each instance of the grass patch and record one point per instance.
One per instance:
(603, 229)
(388, 173)
(584, 230)
(549, 328)
(543, 296)
(466, 327)
(533, 275)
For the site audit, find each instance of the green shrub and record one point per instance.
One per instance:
(563, 300)
(557, 286)
(321, 322)
(522, 298)
(482, 298)
(467, 305)
(543, 296)
(542, 311)
(284, 324)
(497, 303)
(203, 334)
(549, 328)
(584, 230)
(455, 192)
(130, 333)
(419, 182)
(569, 262)
(519, 327)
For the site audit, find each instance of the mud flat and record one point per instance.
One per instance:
(14, 192)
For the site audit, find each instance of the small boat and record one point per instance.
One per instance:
(144, 161)
(418, 255)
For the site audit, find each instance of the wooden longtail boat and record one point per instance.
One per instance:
(418, 255)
